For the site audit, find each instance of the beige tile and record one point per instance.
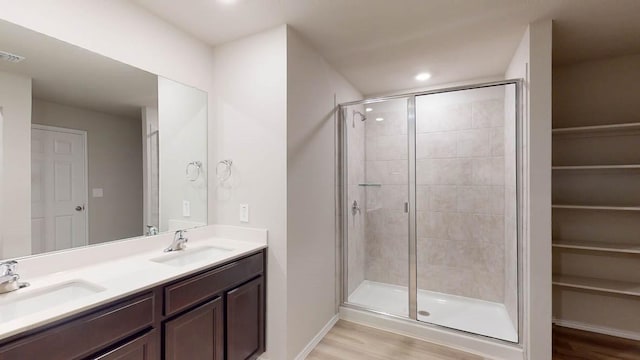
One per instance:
(497, 141)
(391, 172)
(459, 226)
(392, 196)
(398, 172)
(443, 118)
(431, 224)
(480, 199)
(391, 147)
(443, 171)
(488, 171)
(473, 143)
(376, 171)
(488, 228)
(422, 197)
(488, 113)
(436, 145)
(442, 198)
(371, 148)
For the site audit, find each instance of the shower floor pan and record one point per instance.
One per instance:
(457, 312)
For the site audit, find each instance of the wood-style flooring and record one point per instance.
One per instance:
(349, 341)
(571, 344)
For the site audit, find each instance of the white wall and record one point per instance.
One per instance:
(311, 118)
(249, 101)
(114, 156)
(125, 32)
(15, 101)
(182, 123)
(532, 62)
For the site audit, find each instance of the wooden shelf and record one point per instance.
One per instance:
(597, 167)
(590, 207)
(598, 246)
(608, 286)
(597, 128)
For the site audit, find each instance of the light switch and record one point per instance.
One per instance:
(244, 213)
(97, 193)
(186, 208)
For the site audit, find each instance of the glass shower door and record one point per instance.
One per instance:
(376, 206)
(466, 228)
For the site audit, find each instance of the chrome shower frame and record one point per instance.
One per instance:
(342, 268)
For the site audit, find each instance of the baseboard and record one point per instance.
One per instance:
(632, 335)
(316, 339)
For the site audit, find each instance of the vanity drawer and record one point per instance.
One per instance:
(197, 289)
(86, 335)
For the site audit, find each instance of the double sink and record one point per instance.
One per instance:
(30, 301)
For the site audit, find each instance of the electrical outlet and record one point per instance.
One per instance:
(244, 213)
(186, 208)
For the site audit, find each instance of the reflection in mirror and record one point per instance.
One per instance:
(183, 150)
(112, 151)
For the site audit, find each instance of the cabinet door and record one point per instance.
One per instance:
(142, 348)
(245, 321)
(196, 335)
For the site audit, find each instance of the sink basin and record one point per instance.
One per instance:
(192, 255)
(29, 302)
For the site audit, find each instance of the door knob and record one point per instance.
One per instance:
(79, 207)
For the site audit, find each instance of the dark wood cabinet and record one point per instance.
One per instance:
(215, 314)
(86, 335)
(196, 335)
(141, 348)
(245, 321)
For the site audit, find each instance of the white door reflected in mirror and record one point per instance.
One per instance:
(58, 189)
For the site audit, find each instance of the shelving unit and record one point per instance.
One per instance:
(607, 286)
(598, 128)
(598, 167)
(594, 207)
(598, 246)
(593, 267)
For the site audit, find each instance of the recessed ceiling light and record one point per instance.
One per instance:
(368, 109)
(379, 119)
(423, 76)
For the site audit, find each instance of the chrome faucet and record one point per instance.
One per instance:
(8, 277)
(152, 230)
(179, 241)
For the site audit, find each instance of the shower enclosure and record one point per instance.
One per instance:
(429, 207)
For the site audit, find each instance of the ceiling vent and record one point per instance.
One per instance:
(11, 57)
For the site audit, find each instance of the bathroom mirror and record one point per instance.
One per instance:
(93, 150)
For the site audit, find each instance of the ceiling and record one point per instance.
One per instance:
(380, 45)
(73, 76)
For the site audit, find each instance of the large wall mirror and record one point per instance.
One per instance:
(93, 150)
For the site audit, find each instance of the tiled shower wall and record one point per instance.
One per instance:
(387, 165)
(460, 180)
(460, 190)
(356, 251)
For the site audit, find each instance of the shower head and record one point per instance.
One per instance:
(363, 117)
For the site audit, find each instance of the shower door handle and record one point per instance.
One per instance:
(406, 207)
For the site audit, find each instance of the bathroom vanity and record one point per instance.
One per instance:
(214, 310)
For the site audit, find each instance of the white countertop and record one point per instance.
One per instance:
(118, 270)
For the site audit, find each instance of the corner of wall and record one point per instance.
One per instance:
(532, 62)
